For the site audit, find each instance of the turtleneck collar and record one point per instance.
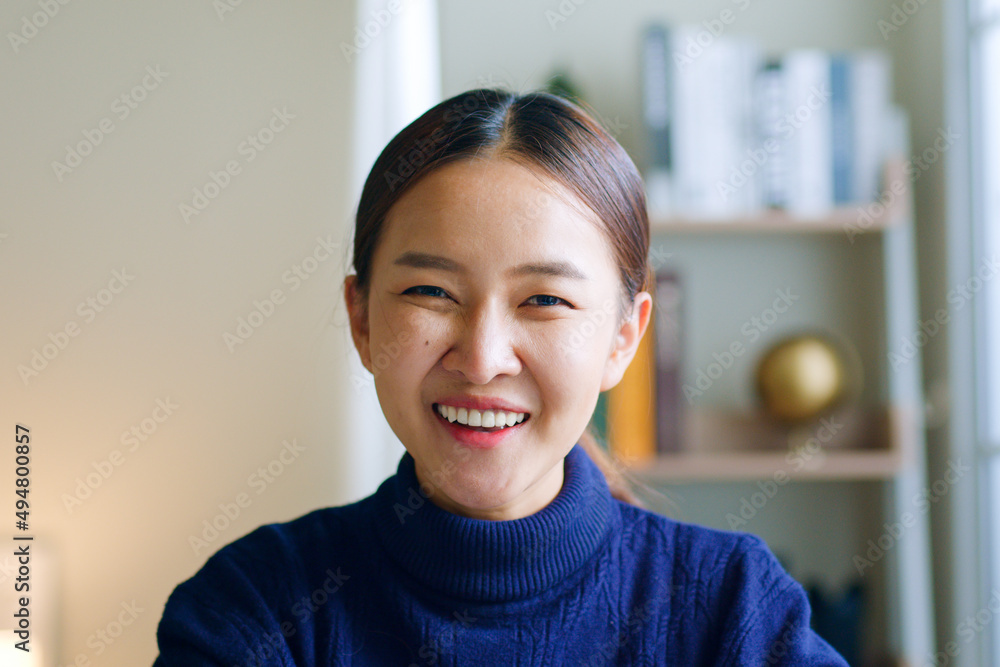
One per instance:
(495, 561)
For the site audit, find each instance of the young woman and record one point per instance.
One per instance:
(501, 243)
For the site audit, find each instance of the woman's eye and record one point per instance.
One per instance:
(546, 297)
(430, 288)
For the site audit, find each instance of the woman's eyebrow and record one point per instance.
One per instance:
(558, 269)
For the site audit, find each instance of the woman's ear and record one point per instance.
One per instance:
(627, 339)
(358, 315)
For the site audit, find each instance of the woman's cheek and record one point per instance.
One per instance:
(395, 348)
(573, 346)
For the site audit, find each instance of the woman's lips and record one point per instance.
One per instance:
(478, 437)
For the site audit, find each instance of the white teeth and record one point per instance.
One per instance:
(483, 418)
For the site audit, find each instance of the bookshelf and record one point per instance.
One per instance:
(866, 288)
(733, 444)
(720, 443)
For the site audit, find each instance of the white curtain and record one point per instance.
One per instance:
(398, 77)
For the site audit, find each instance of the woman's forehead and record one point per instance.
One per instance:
(494, 191)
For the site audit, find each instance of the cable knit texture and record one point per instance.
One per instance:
(393, 579)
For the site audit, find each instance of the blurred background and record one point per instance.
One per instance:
(177, 186)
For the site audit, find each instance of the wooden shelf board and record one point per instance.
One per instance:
(838, 221)
(875, 442)
(843, 464)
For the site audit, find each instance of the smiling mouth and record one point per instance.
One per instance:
(437, 413)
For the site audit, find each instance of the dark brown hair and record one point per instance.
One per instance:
(541, 131)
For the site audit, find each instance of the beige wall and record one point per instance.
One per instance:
(160, 337)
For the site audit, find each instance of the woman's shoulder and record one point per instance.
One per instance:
(258, 594)
(711, 564)
(325, 526)
(280, 557)
(688, 543)
(733, 581)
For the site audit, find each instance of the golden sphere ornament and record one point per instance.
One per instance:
(804, 376)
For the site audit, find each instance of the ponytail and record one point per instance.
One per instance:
(619, 482)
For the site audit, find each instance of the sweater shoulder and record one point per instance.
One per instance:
(708, 566)
(319, 529)
(728, 583)
(690, 544)
(256, 589)
(276, 560)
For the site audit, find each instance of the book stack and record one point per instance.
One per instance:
(731, 132)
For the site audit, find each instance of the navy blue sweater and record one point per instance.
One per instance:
(393, 579)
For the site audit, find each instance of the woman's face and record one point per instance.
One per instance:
(488, 283)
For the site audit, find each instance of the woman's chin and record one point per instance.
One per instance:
(482, 503)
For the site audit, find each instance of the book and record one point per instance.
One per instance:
(842, 129)
(806, 126)
(712, 128)
(669, 370)
(871, 86)
(769, 107)
(657, 105)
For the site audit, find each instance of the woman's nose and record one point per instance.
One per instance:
(483, 346)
